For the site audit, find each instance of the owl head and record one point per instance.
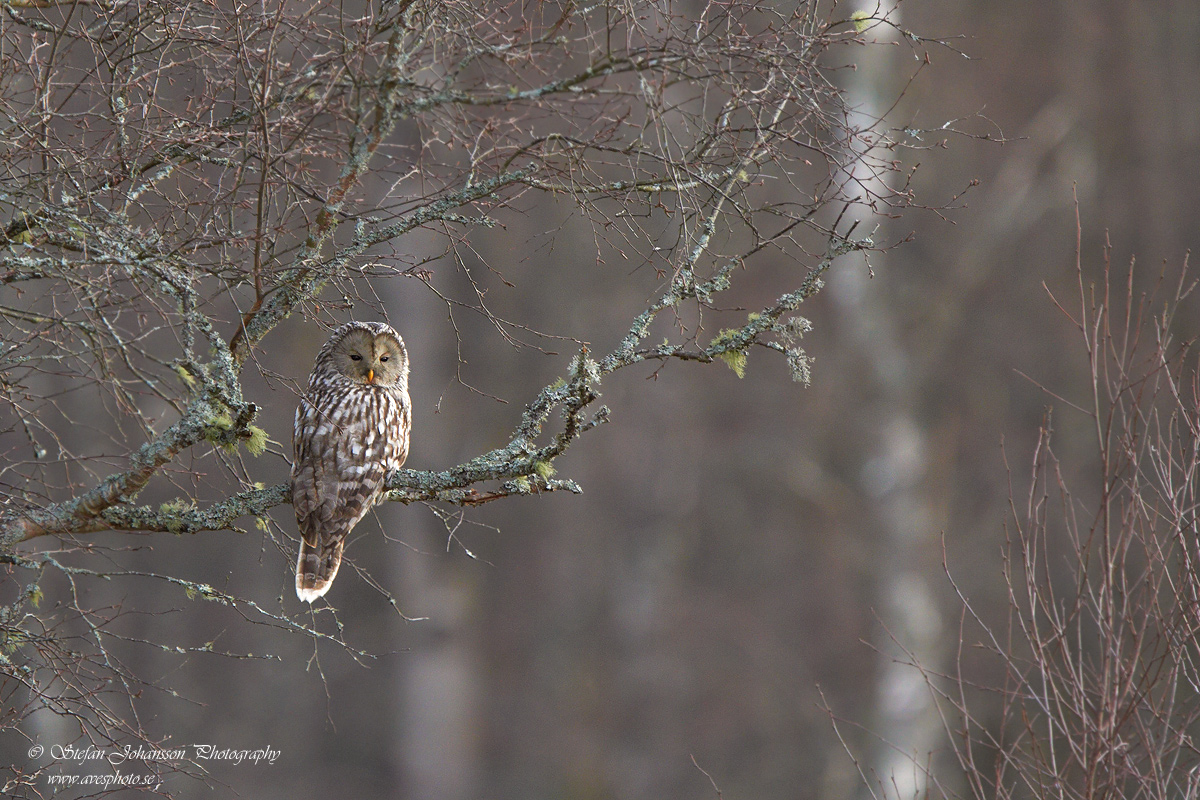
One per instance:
(367, 353)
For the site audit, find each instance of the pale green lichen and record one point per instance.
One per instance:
(217, 431)
(725, 342)
(11, 638)
(177, 506)
(544, 469)
(185, 376)
(735, 360)
(582, 366)
(799, 362)
(793, 329)
(173, 509)
(200, 589)
(221, 433)
(256, 442)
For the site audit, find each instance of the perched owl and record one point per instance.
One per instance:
(351, 431)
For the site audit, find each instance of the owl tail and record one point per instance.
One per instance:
(316, 568)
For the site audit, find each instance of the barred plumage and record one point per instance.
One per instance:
(351, 430)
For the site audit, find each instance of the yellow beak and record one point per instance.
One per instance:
(370, 376)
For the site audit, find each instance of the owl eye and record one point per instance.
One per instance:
(355, 357)
(383, 358)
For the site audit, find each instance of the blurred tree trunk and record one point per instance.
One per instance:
(894, 471)
(436, 735)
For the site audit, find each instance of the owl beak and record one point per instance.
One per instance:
(370, 376)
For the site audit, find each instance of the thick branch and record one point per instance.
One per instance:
(91, 510)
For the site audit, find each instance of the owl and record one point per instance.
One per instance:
(351, 431)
